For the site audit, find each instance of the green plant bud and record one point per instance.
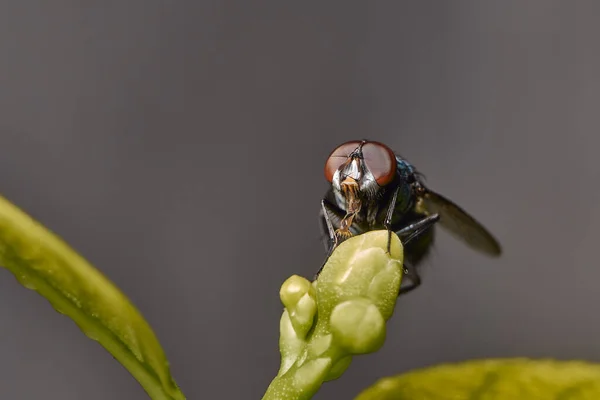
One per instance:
(358, 326)
(341, 314)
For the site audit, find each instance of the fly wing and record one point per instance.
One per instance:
(460, 224)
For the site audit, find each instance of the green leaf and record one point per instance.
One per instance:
(43, 262)
(342, 314)
(496, 379)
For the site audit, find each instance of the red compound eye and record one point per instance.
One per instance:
(381, 161)
(338, 157)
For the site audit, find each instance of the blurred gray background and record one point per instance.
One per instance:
(179, 146)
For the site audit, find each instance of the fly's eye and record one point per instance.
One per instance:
(338, 157)
(381, 161)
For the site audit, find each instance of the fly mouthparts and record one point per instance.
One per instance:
(350, 191)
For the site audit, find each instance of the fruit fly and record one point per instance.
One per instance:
(374, 188)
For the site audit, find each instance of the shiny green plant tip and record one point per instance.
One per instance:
(43, 262)
(342, 314)
(495, 379)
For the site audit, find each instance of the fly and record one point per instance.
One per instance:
(374, 188)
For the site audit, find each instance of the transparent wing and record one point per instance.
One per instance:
(460, 224)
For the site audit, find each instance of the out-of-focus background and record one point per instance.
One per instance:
(179, 146)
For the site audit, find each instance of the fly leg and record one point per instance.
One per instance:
(330, 229)
(415, 229)
(332, 237)
(388, 219)
(336, 236)
(407, 234)
(415, 280)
